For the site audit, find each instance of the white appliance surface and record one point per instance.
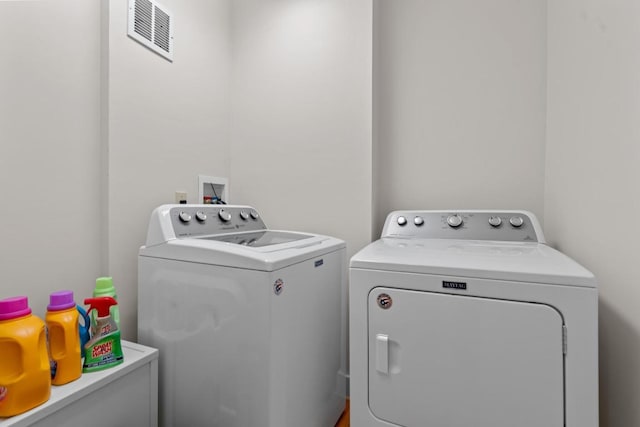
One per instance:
(463, 318)
(532, 262)
(249, 321)
(123, 395)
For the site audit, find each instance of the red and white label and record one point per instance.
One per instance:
(101, 349)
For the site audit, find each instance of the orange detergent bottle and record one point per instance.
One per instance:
(64, 338)
(25, 378)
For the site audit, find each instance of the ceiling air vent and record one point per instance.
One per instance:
(151, 25)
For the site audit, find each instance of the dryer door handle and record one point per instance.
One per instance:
(382, 353)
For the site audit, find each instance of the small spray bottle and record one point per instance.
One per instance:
(104, 349)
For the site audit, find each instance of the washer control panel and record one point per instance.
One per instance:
(512, 226)
(202, 220)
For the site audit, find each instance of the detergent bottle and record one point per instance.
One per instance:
(104, 288)
(64, 338)
(84, 328)
(104, 349)
(25, 377)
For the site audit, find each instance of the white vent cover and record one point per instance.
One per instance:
(152, 25)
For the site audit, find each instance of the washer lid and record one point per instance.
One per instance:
(259, 239)
(514, 261)
(292, 248)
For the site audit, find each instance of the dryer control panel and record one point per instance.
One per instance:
(510, 226)
(202, 220)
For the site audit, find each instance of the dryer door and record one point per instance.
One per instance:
(453, 361)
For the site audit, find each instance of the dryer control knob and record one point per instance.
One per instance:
(454, 221)
(244, 215)
(495, 221)
(516, 221)
(201, 216)
(224, 215)
(418, 221)
(254, 214)
(402, 221)
(185, 216)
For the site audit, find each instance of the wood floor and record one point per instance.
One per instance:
(344, 419)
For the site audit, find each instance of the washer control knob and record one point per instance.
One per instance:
(454, 221)
(402, 221)
(224, 215)
(254, 214)
(244, 215)
(185, 216)
(201, 216)
(418, 221)
(516, 221)
(495, 221)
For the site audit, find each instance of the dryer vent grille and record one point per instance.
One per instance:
(162, 26)
(151, 25)
(143, 12)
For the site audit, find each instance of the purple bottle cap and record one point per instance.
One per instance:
(12, 308)
(61, 300)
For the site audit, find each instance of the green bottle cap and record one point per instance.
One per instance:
(104, 288)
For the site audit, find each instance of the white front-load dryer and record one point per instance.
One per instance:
(468, 319)
(248, 321)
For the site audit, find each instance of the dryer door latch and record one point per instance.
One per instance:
(382, 353)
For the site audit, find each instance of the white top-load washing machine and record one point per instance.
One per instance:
(248, 320)
(468, 319)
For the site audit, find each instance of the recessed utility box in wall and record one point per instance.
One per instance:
(212, 186)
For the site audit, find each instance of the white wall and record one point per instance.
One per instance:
(460, 97)
(49, 149)
(167, 123)
(459, 105)
(592, 176)
(84, 205)
(301, 114)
